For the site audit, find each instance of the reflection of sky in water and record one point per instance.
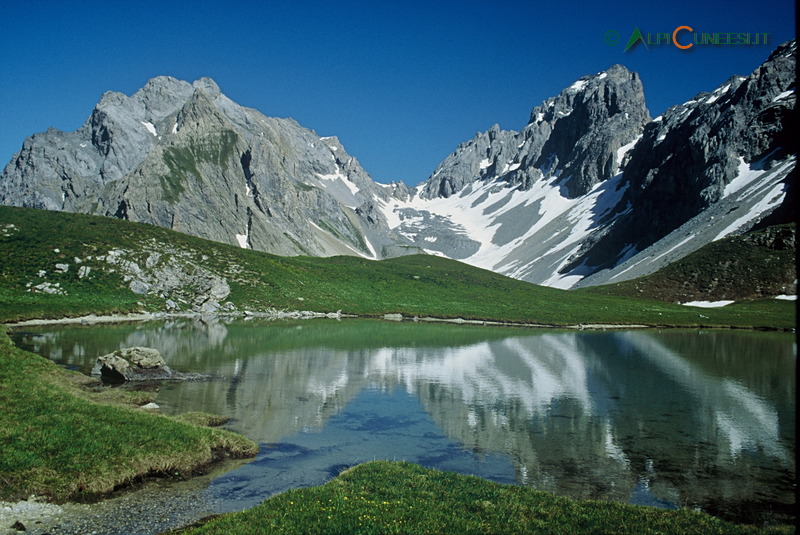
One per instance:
(374, 425)
(701, 420)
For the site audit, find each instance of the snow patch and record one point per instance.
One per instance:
(786, 297)
(242, 239)
(767, 202)
(150, 127)
(717, 94)
(624, 150)
(783, 95)
(707, 304)
(577, 86)
(746, 176)
(338, 181)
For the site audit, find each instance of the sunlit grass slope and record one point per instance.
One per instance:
(32, 241)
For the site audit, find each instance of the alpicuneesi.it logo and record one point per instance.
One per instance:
(684, 37)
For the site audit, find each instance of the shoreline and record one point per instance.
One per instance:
(203, 449)
(98, 319)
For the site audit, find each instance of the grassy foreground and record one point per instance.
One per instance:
(34, 242)
(384, 497)
(61, 439)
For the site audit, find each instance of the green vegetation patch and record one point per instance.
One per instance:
(416, 285)
(747, 266)
(62, 439)
(182, 160)
(397, 497)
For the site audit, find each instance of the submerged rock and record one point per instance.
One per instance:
(139, 364)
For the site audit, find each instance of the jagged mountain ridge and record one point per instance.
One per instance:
(591, 190)
(632, 195)
(185, 157)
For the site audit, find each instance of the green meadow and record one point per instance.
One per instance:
(64, 437)
(34, 241)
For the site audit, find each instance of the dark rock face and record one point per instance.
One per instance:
(686, 158)
(139, 364)
(575, 136)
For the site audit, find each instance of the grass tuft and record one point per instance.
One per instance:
(202, 418)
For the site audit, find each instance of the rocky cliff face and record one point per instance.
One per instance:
(700, 153)
(574, 136)
(184, 156)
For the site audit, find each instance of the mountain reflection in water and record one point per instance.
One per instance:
(673, 418)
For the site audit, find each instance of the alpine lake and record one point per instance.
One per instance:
(703, 419)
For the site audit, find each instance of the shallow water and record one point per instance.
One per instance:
(675, 418)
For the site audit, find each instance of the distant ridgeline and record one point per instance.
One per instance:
(591, 190)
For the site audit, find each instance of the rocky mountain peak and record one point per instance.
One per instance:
(587, 124)
(200, 114)
(692, 154)
(183, 156)
(162, 96)
(208, 86)
(575, 136)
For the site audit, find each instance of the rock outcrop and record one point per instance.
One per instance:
(139, 364)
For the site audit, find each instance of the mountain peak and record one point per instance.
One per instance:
(208, 86)
(617, 86)
(576, 135)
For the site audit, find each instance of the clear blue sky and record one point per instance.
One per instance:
(400, 83)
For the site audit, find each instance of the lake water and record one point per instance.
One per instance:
(674, 418)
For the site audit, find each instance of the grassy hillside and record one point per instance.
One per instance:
(749, 266)
(34, 242)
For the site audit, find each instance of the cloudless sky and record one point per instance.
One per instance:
(400, 83)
